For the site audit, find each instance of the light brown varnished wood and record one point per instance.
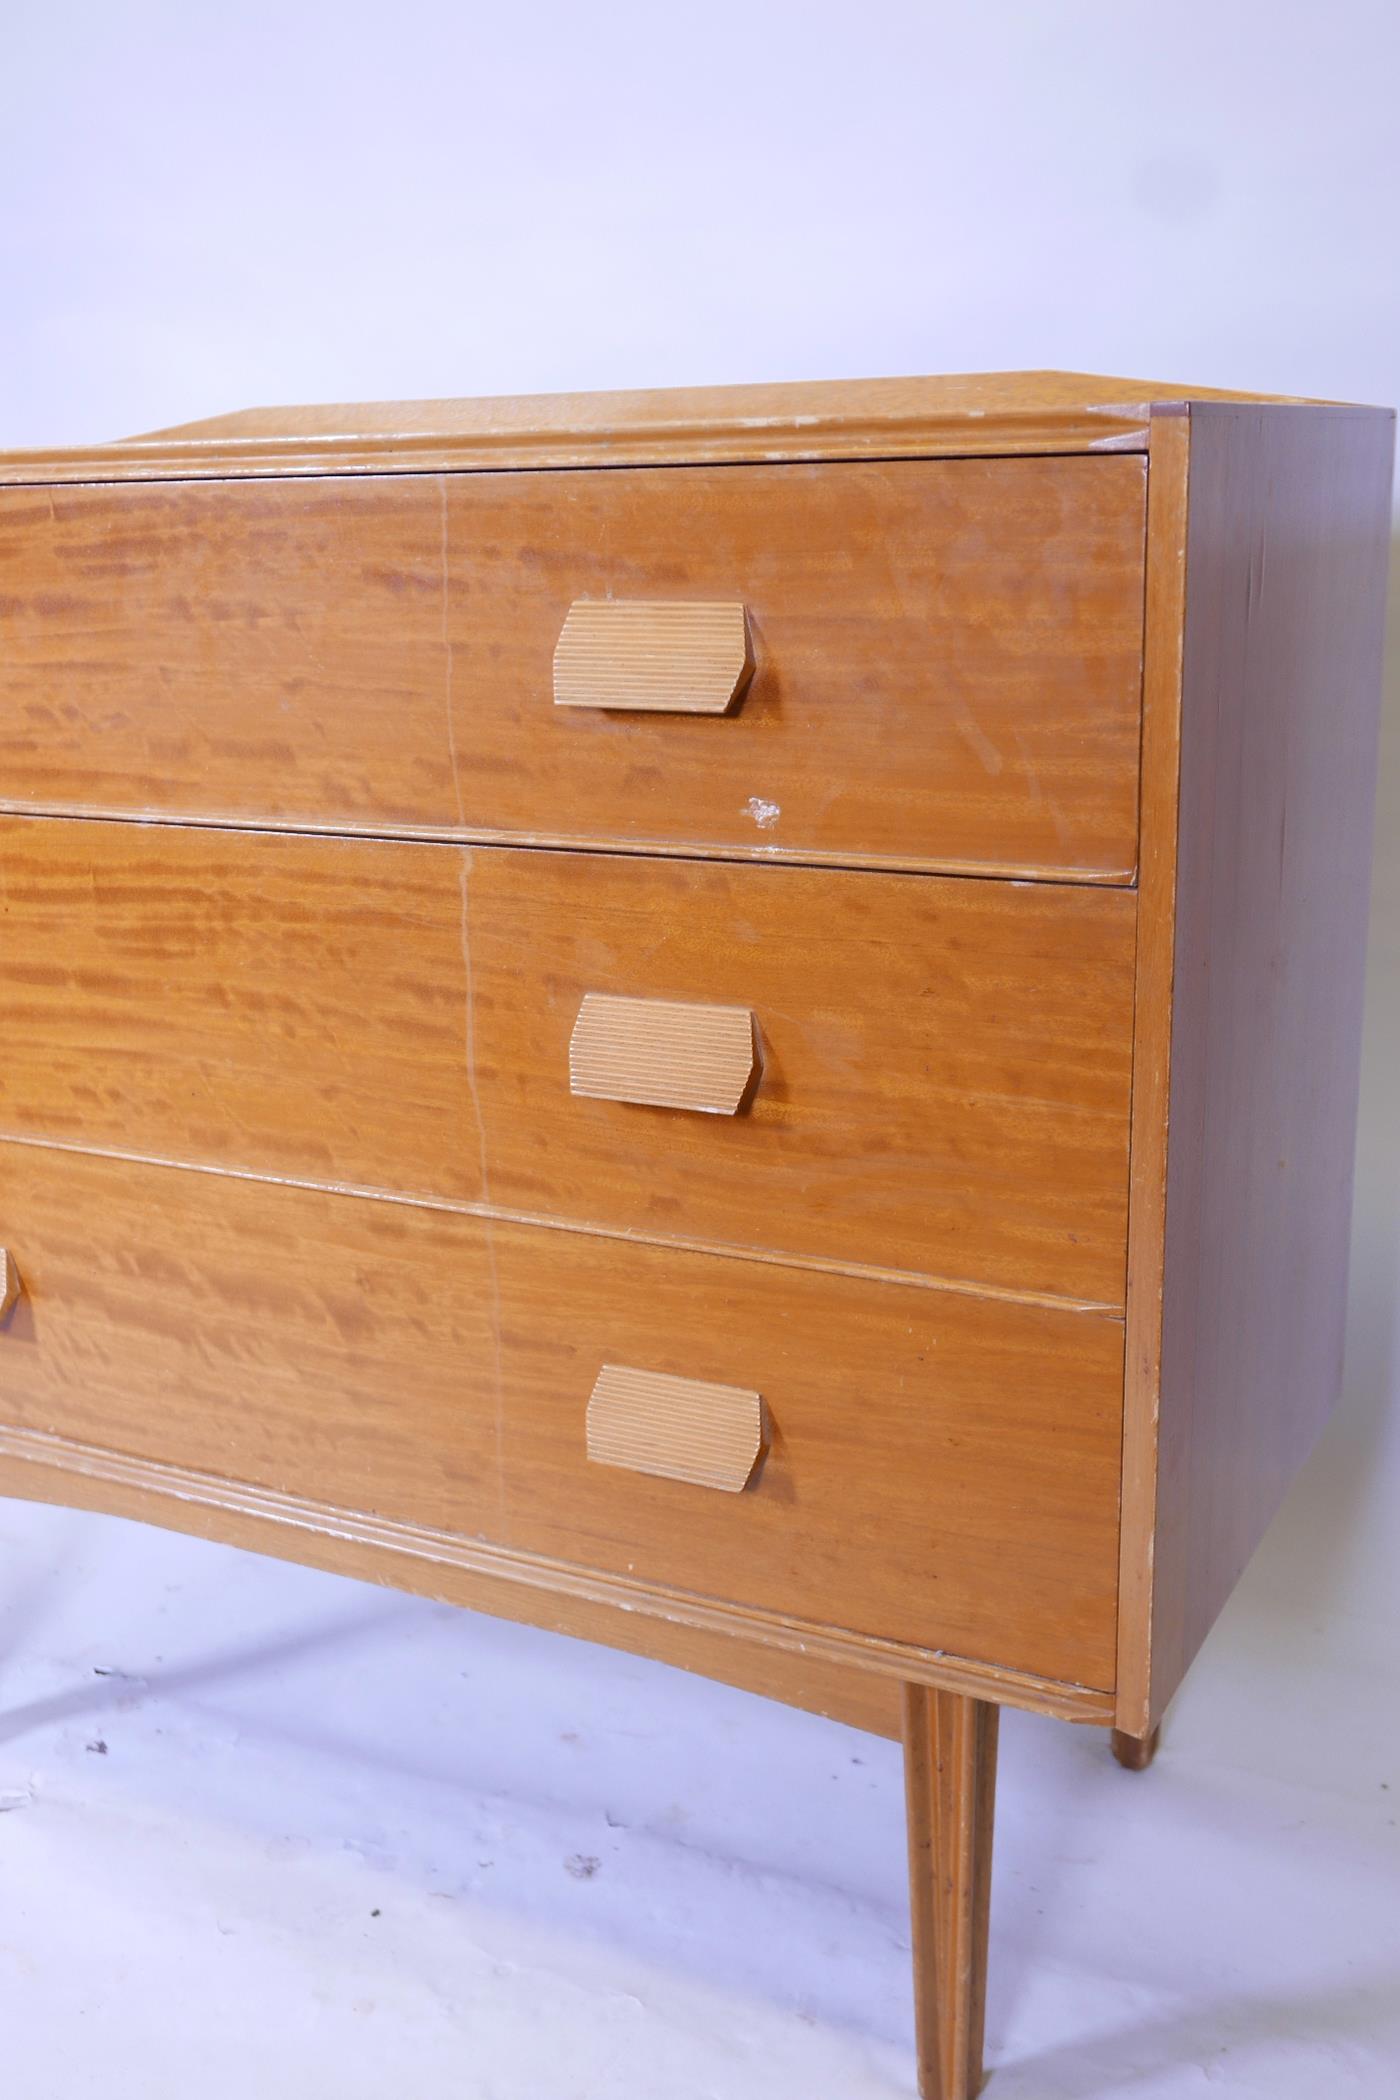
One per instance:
(774, 1662)
(941, 1472)
(960, 415)
(947, 677)
(663, 1053)
(1168, 471)
(854, 1679)
(643, 656)
(677, 1428)
(1285, 553)
(950, 1763)
(10, 1285)
(946, 1064)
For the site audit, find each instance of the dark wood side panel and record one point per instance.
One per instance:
(1287, 541)
(942, 1469)
(948, 657)
(946, 1064)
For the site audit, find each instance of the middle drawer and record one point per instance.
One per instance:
(942, 1064)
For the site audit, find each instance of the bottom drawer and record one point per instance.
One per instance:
(941, 1469)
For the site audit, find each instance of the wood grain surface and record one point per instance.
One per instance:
(950, 1775)
(850, 1677)
(948, 658)
(1286, 545)
(946, 1064)
(942, 1471)
(774, 1664)
(1287, 554)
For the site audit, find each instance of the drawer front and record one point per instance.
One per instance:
(941, 1067)
(939, 1469)
(946, 657)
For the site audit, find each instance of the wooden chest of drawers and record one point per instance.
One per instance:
(728, 1022)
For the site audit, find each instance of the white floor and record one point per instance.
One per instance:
(263, 1831)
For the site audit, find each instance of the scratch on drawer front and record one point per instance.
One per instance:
(463, 854)
(763, 813)
(448, 663)
(975, 737)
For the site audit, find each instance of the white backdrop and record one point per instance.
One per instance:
(206, 208)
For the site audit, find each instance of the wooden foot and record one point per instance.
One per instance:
(1135, 1752)
(950, 1767)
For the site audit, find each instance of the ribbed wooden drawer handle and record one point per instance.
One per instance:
(674, 659)
(663, 1053)
(678, 1428)
(10, 1285)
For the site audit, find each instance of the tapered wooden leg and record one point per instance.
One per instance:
(1135, 1752)
(950, 1770)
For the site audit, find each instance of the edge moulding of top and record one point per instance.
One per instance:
(960, 415)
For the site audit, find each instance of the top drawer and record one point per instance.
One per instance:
(946, 657)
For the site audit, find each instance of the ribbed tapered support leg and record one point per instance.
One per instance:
(950, 1766)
